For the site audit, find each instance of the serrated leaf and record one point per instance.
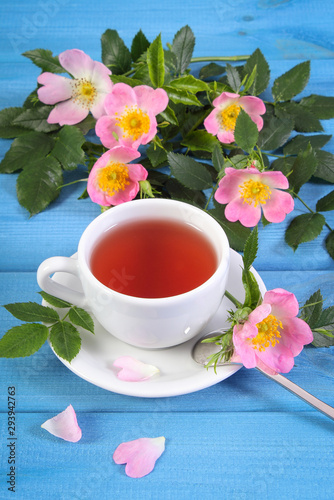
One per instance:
(250, 249)
(312, 309)
(169, 115)
(132, 82)
(67, 149)
(45, 60)
(326, 317)
(26, 150)
(252, 289)
(189, 172)
(284, 165)
(181, 96)
(23, 340)
(326, 203)
(210, 70)
(330, 244)
(200, 140)
(178, 191)
(322, 340)
(233, 77)
(325, 166)
(141, 74)
(156, 62)
(304, 228)
(262, 75)
(300, 142)
(218, 159)
(65, 340)
(38, 185)
(183, 47)
(321, 106)
(80, 317)
(7, 129)
(245, 133)
(86, 125)
(292, 82)
(115, 55)
(54, 301)
(236, 233)
(156, 155)
(190, 84)
(139, 45)
(275, 133)
(35, 119)
(304, 120)
(302, 169)
(31, 312)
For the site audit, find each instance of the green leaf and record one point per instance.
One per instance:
(245, 133)
(275, 133)
(300, 142)
(38, 185)
(139, 45)
(156, 62)
(326, 317)
(115, 55)
(67, 149)
(45, 60)
(210, 70)
(325, 167)
(7, 129)
(86, 125)
(133, 82)
(54, 301)
(284, 165)
(141, 74)
(169, 115)
(200, 140)
(233, 77)
(303, 168)
(236, 233)
(35, 119)
(80, 317)
(330, 244)
(181, 96)
(31, 311)
(326, 203)
(183, 47)
(26, 150)
(321, 106)
(312, 309)
(190, 84)
(252, 290)
(218, 159)
(304, 121)
(23, 340)
(250, 250)
(65, 340)
(262, 75)
(324, 340)
(303, 228)
(157, 155)
(189, 172)
(292, 82)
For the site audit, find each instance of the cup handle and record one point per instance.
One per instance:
(48, 285)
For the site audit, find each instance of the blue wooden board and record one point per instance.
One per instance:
(244, 438)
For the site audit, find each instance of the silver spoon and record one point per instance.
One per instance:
(202, 351)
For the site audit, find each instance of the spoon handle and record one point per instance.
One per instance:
(302, 394)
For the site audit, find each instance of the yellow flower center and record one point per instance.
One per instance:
(254, 192)
(134, 123)
(229, 117)
(113, 178)
(268, 333)
(83, 92)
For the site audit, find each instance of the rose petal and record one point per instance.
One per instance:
(64, 425)
(139, 455)
(134, 370)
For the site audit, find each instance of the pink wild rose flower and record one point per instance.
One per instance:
(131, 115)
(272, 335)
(246, 191)
(222, 119)
(113, 180)
(139, 455)
(85, 92)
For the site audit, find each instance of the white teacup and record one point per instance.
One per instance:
(143, 322)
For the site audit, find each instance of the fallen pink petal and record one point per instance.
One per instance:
(139, 455)
(133, 370)
(64, 425)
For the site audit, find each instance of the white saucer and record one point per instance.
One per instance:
(179, 373)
